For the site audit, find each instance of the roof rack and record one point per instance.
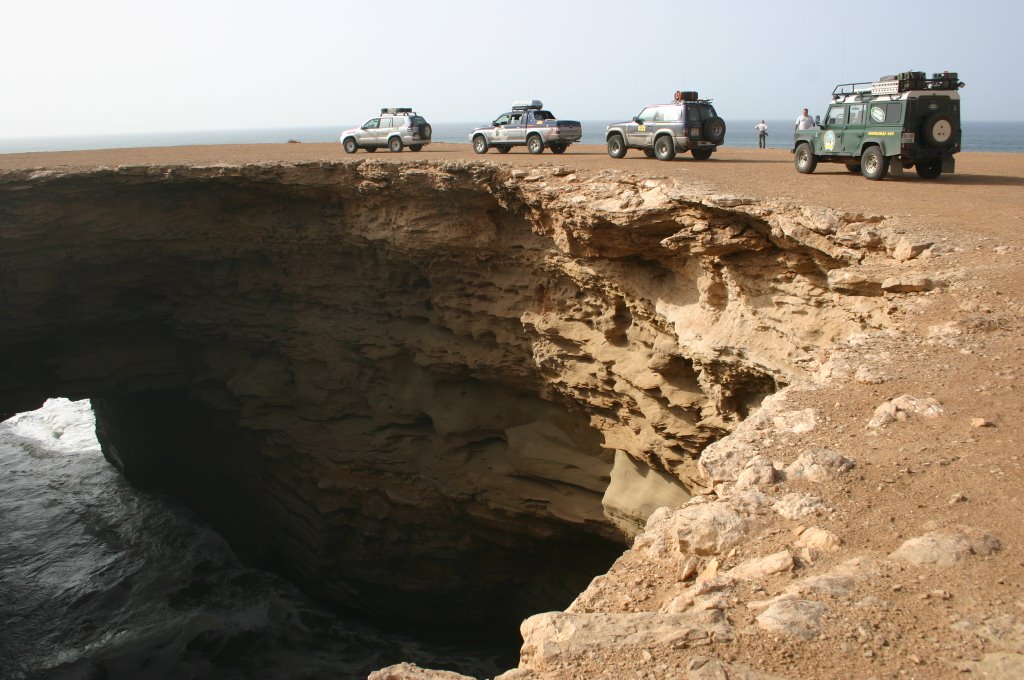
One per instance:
(525, 104)
(902, 82)
(396, 109)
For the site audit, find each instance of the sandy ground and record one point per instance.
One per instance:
(992, 181)
(921, 475)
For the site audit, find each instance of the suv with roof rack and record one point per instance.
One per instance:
(395, 129)
(688, 124)
(887, 126)
(527, 124)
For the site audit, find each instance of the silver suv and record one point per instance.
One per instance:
(396, 128)
(689, 124)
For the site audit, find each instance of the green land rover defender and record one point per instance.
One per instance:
(887, 126)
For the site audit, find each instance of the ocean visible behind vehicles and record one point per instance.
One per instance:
(977, 136)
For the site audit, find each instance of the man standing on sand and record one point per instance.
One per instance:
(804, 122)
(762, 133)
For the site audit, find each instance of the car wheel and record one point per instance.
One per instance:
(503, 149)
(616, 146)
(701, 154)
(425, 131)
(929, 169)
(873, 163)
(395, 144)
(649, 153)
(664, 148)
(480, 144)
(938, 130)
(557, 148)
(349, 145)
(804, 158)
(853, 167)
(535, 144)
(415, 147)
(714, 130)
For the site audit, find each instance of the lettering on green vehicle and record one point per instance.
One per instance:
(881, 133)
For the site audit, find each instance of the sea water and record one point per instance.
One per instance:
(101, 580)
(977, 136)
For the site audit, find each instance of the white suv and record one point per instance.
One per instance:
(395, 128)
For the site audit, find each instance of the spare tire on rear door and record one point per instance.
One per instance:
(714, 130)
(938, 130)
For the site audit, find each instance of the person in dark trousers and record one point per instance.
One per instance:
(762, 133)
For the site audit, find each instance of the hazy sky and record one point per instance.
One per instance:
(107, 66)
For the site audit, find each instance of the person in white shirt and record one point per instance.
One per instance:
(804, 122)
(762, 133)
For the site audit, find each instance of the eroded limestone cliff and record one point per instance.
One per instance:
(441, 385)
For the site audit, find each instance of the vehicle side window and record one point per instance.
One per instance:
(372, 124)
(884, 113)
(856, 114)
(669, 114)
(541, 116)
(502, 119)
(419, 120)
(837, 115)
(386, 122)
(515, 119)
(693, 115)
(648, 114)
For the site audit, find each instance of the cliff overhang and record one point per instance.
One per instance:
(408, 385)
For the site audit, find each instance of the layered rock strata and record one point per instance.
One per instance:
(443, 387)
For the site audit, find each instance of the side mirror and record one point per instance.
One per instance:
(817, 121)
(636, 119)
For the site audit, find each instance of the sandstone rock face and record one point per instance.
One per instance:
(409, 384)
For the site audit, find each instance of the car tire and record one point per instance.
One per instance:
(701, 154)
(503, 149)
(480, 144)
(425, 131)
(873, 164)
(714, 130)
(558, 148)
(649, 153)
(664, 148)
(853, 167)
(616, 146)
(534, 144)
(415, 147)
(938, 130)
(804, 158)
(395, 145)
(349, 144)
(929, 169)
